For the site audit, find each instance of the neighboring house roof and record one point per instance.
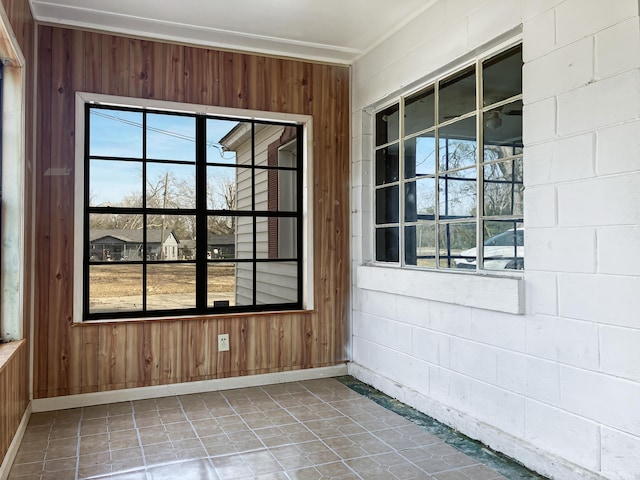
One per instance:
(131, 236)
(216, 239)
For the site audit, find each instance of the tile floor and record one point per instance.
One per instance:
(303, 430)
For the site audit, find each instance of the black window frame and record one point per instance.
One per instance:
(201, 213)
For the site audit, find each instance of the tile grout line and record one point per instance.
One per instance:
(79, 442)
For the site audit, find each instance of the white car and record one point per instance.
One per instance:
(504, 251)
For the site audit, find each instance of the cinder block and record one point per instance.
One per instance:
(482, 22)
(620, 351)
(562, 160)
(413, 311)
(378, 303)
(541, 207)
(499, 329)
(538, 34)
(450, 388)
(602, 398)
(561, 249)
(391, 334)
(561, 70)
(563, 340)
(532, 9)
(498, 407)
(567, 435)
(619, 149)
(452, 319)
(620, 455)
(613, 245)
(473, 359)
(542, 380)
(431, 347)
(600, 201)
(600, 104)
(610, 57)
(539, 121)
(607, 299)
(509, 371)
(577, 19)
(541, 293)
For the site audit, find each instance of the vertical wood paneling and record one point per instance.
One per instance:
(174, 74)
(129, 354)
(93, 61)
(112, 359)
(171, 348)
(115, 65)
(202, 82)
(90, 357)
(14, 390)
(146, 66)
(43, 218)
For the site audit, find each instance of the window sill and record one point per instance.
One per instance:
(8, 350)
(489, 292)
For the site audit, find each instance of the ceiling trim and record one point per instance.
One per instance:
(78, 17)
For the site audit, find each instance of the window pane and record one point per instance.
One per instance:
(276, 237)
(387, 165)
(164, 234)
(387, 125)
(420, 245)
(387, 244)
(419, 111)
(503, 131)
(387, 205)
(502, 76)
(276, 190)
(115, 133)
(457, 245)
(171, 137)
(115, 238)
(221, 237)
(503, 188)
(457, 95)
(222, 188)
(420, 155)
(276, 282)
(224, 137)
(171, 286)
(171, 185)
(115, 288)
(229, 284)
(457, 194)
(503, 245)
(287, 153)
(420, 200)
(115, 183)
(457, 144)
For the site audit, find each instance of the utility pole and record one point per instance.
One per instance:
(164, 221)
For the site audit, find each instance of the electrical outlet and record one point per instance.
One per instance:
(223, 342)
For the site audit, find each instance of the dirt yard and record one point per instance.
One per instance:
(122, 280)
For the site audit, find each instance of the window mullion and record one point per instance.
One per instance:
(479, 168)
(145, 255)
(436, 136)
(401, 180)
(202, 230)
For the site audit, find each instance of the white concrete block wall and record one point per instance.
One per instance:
(559, 386)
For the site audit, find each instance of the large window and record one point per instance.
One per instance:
(189, 213)
(448, 171)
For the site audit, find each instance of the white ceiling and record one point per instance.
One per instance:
(337, 31)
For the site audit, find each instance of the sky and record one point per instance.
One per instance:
(116, 133)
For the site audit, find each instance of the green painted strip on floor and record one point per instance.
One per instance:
(498, 462)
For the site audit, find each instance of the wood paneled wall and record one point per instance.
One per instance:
(14, 357)
(72, 359)
(14, 390)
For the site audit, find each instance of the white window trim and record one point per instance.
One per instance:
(484, 289)
(13, 176)
(307, 185)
